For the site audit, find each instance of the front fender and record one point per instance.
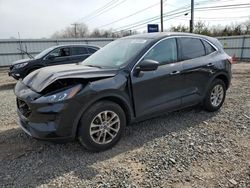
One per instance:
(115, 89)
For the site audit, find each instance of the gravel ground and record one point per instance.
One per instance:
(187, 148)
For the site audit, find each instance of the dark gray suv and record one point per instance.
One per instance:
(55, 55)
(129, 80)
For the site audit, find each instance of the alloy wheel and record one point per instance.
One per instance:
(104, 127)
(217, 95)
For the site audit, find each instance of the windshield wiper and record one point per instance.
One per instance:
(94, 66)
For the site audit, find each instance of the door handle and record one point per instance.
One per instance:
(175, 72)
(210, 64)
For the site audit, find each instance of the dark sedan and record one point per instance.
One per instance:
(129, 80)
(56, 55)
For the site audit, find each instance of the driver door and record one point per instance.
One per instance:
(159, 90)
(59, 56)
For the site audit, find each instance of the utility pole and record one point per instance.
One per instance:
(161, 15)
(191, 24)
(75, 26)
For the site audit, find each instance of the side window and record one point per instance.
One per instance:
(92, 50)
(191, 48)
(60, 52)
(164, 52)
(79, 51)
(209, 49)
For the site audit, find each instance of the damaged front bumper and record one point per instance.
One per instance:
(46, 121)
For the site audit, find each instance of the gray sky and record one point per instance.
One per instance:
(41, 18)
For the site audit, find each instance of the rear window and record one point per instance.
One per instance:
(79, 51)
(209, 48)
(191, 48)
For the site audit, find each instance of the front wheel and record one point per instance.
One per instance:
(215, 96)
(101, 126)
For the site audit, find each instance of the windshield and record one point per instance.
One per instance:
(44, 52)
(117, 53)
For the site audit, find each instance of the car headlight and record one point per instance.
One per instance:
(20, 65)
(60, 96)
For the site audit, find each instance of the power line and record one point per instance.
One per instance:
(224, 6)
(98, 10)
(142, 10)
(216, 18)
(159, 22)
(123, 18)
(153, 18)
(106, 10)
(143, 22)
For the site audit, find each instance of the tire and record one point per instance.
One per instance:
(210, 103)
(91, 122)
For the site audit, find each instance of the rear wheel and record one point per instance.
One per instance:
(101, 126)
(215, 96)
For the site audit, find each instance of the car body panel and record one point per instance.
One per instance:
(163, 94)
(48, 121)
(40, 79)
(140, 95)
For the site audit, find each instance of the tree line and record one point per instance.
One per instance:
(201, 27)
(81, 30)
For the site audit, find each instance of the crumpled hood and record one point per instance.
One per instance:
(21, 61)
(41, 78)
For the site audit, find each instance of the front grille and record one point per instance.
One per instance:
(23, 108)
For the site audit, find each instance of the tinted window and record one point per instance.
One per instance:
(92, 50)
(209, 49)
(164, 52)
(79, 51)
(60, 52)
(191, 48)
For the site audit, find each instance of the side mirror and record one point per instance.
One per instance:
(147, 65)
(50, 57)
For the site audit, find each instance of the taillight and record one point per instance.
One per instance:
(232, 59)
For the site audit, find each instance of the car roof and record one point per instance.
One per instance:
(163, 34)
(159, 35)
(77, 45)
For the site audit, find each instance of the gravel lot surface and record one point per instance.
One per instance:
(187, 148)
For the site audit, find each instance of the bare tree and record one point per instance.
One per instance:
(200, 27)
(179, 28)
(82, 30)
(74, 31)
(96, 33)
(247, 27)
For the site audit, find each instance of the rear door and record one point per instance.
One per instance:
(197, 67)
(159, 90)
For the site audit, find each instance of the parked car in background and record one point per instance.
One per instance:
(56, 55)
(129, 80)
